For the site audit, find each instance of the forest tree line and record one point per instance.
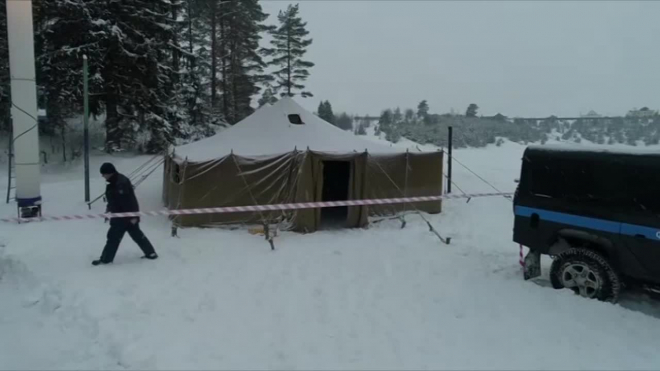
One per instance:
(472, 130)
(161, 71)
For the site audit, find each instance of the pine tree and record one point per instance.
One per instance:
(423, 109)
(198, 94)
(5, 101)
(325, 112)
(243, 66)
(268, 97)
(361, 129)
(344, 122)
(409, 116)
(289, 47)
(397, 117)
(472, 110)
(59, 60)
(204, 43)
(137, 74)
(321, 111)
(230, 34)
(191, 114)
(386, 121)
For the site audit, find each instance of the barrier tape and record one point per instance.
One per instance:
(521, 259)
(239, 209)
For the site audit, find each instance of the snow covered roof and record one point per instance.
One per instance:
(269, 131)
(630, 150)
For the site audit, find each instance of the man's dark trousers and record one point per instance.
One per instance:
(119, 227)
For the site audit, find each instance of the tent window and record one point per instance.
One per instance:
(296, 120)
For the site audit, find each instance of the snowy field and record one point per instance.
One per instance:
(381, 298)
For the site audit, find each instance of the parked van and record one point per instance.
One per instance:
(596, 212)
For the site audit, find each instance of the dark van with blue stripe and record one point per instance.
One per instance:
(597, 213)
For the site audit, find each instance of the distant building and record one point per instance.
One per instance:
(642, 113)
(591, 114)
(499, 117)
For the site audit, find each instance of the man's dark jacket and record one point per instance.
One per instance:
(121, 198)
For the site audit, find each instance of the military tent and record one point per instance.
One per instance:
(282, 153)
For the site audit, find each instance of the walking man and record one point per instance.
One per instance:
(121, 198)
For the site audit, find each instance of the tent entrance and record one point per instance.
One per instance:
(336, 179)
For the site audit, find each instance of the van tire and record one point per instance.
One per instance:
(587, 273)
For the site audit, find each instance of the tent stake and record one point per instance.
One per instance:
(446, 241)
(268, 237)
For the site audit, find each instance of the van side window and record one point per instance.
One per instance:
(543, 180)
(573, 180)
(643, 185)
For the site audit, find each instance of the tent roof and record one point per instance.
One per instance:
(268, 131)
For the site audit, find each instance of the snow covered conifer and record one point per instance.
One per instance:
(229, 49)
(242, 63)
(268, 97)
(64, 33)
(423, 109)
(138, 74)
(472, 110)
(344, 122)
(325, 112)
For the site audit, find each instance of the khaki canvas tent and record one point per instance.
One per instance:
(282, 153)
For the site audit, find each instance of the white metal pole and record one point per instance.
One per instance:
(24, 102)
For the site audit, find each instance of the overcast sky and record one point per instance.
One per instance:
(520, 58)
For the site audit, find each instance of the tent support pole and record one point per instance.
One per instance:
(446, 241)
(182, 180)
(264, 221)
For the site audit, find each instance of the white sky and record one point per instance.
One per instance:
(520, 58)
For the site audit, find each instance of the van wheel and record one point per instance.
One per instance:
(587, 273)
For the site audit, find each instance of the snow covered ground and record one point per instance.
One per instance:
(382, 298)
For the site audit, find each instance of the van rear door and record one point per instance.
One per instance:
(641, 224)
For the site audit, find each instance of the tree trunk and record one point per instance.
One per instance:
(190, 32)
(176, 54)
(63, 134)
(214, 65)
(111, 123)
(288, 60)
(235, 81)
(225, 88)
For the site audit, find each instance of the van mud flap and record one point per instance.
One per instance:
(532, 268)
